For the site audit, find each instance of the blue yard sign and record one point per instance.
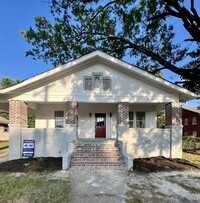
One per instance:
(28, 148)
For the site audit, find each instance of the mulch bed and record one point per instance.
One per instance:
(32, 164)
(155, 164)
(51, 164)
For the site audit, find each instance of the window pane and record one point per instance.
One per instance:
(59, 119)
(130, 116)
(186, 121)
(194, 120)
(130, 124)
(131, 119)
(106, 84)
(140, 119)
(88, 83)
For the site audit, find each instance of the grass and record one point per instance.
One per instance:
(33, 187)
(133, 197)
(3, 147)
(194, 158)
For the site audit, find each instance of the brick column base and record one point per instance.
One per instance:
(18, 113)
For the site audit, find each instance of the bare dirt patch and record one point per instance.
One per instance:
(32, 164)
(155, 164)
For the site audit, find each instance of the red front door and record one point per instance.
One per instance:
(100, 125)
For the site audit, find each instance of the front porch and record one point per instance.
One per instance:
(56, 136)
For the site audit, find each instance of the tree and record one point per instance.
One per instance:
(135, 28)
(7, 82)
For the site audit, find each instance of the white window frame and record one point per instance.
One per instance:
(59, 119)
(135, 119)
(131, 121)
(84, 83)
(101, 81)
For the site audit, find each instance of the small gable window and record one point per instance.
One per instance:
(88, 83)
(97, 81)
(106, 83)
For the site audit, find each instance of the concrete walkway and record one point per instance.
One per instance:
(98, 186)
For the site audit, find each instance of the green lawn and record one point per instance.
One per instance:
(194, 158)
(3, 147)
(33, 187)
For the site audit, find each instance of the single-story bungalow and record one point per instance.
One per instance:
(95, 96)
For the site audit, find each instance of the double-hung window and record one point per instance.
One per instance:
(59, 119)
(136, 119)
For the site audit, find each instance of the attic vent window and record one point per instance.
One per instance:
(97, 82)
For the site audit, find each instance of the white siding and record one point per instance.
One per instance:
(45, 115)
(124, 88)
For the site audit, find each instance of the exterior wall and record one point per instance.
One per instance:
(125, 88)
(49, 142)
(86, 124)
(191, 127)
(147, 142)
(150, 114)
(45, 114)
(3, 135)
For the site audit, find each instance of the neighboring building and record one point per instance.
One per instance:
(191, 121)
(4, 134)
(96, 96)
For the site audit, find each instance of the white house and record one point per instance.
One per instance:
(95, 96)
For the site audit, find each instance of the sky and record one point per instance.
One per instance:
(16, 15)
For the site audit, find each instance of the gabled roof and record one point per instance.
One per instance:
(193, 109)
(99, 56)
(3, 120)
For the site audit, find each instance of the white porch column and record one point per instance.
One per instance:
(173, 114)
(122, 118)
(18, 115)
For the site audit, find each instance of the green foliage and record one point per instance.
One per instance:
(189, 143)
(4, 115)
(7, 82)
(119, 28)
(31, 121)
(161, 119)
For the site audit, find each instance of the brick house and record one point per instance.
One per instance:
(191, 121)
(100, 98)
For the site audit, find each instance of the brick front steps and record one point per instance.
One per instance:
(96, 154)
